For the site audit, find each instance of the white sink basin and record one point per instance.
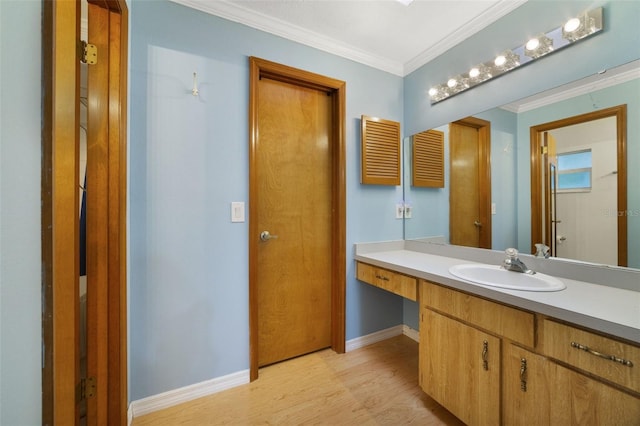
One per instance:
(495, 276)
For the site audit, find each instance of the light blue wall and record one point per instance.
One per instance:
(626, 93)
(189, 161)
(503, 172)
(20, 321)
(616, 45)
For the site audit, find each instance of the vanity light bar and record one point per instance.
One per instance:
(575, 29)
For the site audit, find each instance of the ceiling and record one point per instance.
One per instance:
(384, 34)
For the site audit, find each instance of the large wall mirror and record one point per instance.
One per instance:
(590, 208)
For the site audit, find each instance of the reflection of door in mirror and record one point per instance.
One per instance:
(470, 183)
(577, 216)
(550, 168)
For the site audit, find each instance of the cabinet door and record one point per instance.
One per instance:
(528, 386)
(459, 368)
(584, 401)
(555, 395)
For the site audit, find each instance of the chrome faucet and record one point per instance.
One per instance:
(512, 263)
(543, 250)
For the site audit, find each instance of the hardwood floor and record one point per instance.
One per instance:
(374, 385)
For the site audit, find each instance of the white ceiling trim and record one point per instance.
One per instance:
(266, 23)
(582, 88)
(263, 22)
(480, 22)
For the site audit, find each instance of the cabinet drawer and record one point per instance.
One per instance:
(394, 282)
(494, 317)
(605, 357)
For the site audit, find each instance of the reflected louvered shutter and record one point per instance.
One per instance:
(428, 159)
(380, 151)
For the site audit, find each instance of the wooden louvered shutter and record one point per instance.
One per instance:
(380, 151)
(428, 159)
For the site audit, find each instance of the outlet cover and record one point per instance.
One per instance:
(408, 211)
(399, 211)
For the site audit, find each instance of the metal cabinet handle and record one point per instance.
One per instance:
(266, 236)
(380, 277)
(485, 355)
(601, 355)
(523, 375)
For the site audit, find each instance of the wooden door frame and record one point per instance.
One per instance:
(535, 134)
(337, 90)
(60, 222)
(484, 175)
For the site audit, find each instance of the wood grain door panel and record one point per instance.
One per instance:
(464, 192)
(294, 186)
(470, 183)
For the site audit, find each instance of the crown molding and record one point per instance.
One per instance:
(477, 24)
(263, 22)
(582, 87)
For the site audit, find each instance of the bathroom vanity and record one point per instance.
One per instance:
(502, 356)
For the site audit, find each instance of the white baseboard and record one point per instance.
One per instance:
(129, 415)
(372, 338)
(378, 336)
(170, 398)
(411, 333)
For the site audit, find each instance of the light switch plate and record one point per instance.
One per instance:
(237, 211)
(493, 208)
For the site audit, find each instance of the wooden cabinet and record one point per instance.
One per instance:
(610, 359)
(394, 282)
(494, 317)
(459, 354)
(541, 392)
(490, 363)
(460, 368)
(380, 151)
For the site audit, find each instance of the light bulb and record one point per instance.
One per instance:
(572, 25)
(433, 91)
(474, 72)
(452, 83)
(532, 44)
(500, 60)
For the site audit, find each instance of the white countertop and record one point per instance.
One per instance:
(603, 308)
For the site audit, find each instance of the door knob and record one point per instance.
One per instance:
(266, 236)
(477, 224)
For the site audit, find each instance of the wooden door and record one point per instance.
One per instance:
(453, 372)
(297, 272)
(106, 210)
(294, 176)
(470, 183)
(106, 216)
